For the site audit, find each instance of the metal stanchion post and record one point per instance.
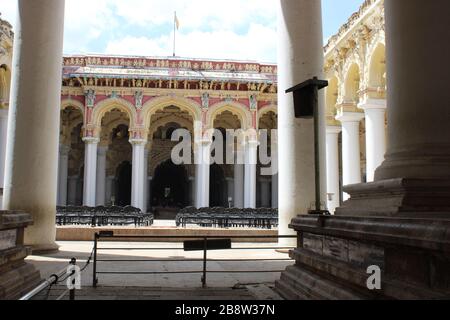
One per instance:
(94, 271)
(72, 290)
(205, 253)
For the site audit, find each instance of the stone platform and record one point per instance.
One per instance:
(334, 254)
(76, 233)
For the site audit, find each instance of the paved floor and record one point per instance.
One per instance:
(239, 293)
(222, 285)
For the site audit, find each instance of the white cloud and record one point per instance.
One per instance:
(85, 22)
(232, 29)
(228, 14)
(258, 43)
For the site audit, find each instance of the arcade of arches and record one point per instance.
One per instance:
(165, 185)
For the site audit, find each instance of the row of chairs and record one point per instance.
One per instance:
(102, 216)
(218, 217)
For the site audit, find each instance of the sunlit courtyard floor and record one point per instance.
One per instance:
(248, 285)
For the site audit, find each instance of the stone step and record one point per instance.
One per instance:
(311, 285)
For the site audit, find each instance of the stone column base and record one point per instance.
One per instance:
(334, 254)
(16, 276)
(398, 197)
(42, 249)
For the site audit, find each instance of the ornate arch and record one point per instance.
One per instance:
(379, 47)
(238, 109)
(345, 85)
(161, 122)
(330, 101)
(266, 109)
(67, 132)
(157, 104)
(107, 130)
(67, 103)
(375, 42)
(349, 63)
(107, 105)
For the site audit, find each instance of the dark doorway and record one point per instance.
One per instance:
(123, 187)
(217, 187)
(170, 186)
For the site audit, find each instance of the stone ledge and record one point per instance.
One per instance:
(413, 255)
(16, 276)
(298, 283)
(430, 234)
(419, 198)
(19, 281)
(355, 278)
(14, 220)
(13, 255)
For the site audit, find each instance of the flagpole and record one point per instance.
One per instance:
(174, 32)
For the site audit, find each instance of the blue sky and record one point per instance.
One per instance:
(336, 13)
(232, 29)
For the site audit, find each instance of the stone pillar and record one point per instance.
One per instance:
(375, 111)
(138, 175)
(300, 57)
(146, 185)
(109, 192)
(230, 190)
(238, 198)
(251, 159)
(90, 171)
(3, 138)
(275, 191)
(72, 191)
(265, 193)
(62, 175)
(149, 192)
(203, 173)
(418, 147)
(192, 191)
(334, 194)
(351, 150)
(33, 127)
(100, 198)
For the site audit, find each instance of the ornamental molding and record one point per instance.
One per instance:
(192, 94)
(175, 64)
(364, 10)
(357, 38)
(102, 83)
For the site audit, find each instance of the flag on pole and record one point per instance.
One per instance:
(176, 26)
(177, 22)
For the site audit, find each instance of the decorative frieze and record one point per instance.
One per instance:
(175, 64)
